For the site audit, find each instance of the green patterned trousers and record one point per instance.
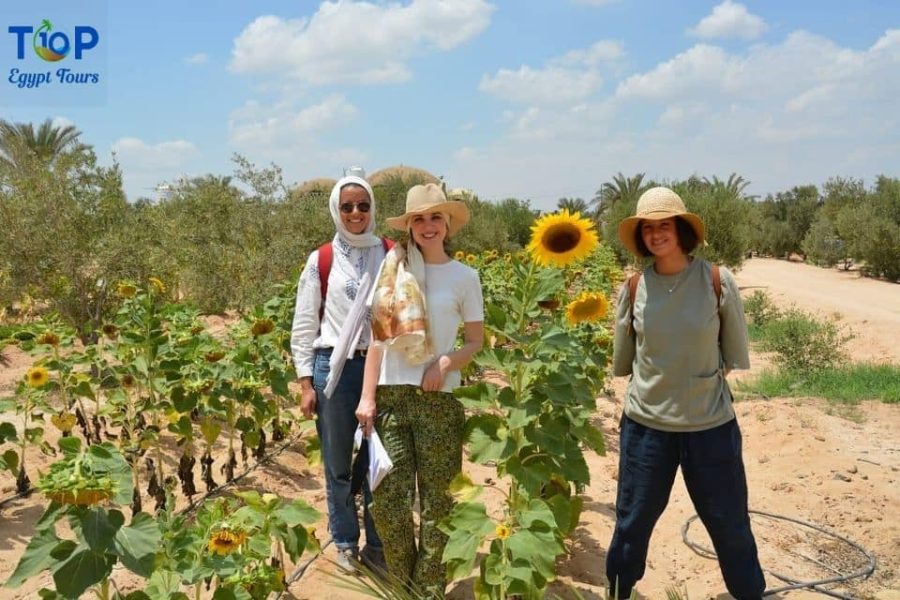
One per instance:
(423, 434)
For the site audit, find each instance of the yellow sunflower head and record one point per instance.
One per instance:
(502, 531)
(471, 258)
(589, 306)
(49, 338)
(262, 327)
(561, 239)
(226, 541)
(37, 377)
(126, 290)
(459, 255)
(158, 285)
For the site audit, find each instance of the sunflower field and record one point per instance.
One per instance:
(158, 416)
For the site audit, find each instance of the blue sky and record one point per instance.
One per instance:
(535, 100)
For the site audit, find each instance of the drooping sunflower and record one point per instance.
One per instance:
(64, 421)
(110, 331)
(589, 306)
(126, 290)
(37, 377)
(158, 285)
(49, 338)
(226, 541)
(128, 380)
(262, 327)
(561, 239)
(502, 531)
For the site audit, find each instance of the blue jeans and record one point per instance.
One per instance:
(336, 425)
(713, 470)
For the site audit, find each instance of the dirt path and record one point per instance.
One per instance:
(868, 307)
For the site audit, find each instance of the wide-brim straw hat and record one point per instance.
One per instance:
(657, 204)
(430, 198)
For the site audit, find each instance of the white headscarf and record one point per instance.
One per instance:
(360, 240)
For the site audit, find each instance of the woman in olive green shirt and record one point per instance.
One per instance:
(678, 341)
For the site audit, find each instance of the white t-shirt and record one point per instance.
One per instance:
(452, 297)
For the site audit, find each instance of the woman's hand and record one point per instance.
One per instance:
(307, 398)
(365, 414)
(433, 380)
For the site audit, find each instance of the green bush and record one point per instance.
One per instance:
(760, 308)
(803, 343)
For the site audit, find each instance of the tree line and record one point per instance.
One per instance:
(223, 242)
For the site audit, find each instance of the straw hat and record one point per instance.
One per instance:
(429, 198)
(657, 204)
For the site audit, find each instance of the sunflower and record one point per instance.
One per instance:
(128, 380)
(84, 497)
(214, 356)
(589, 306)
(502, 531)
(158, 285)
(470, 258)
(225, 541)
(49, 338)
(262, 327)
(110, 331)
(561, 239)
(126, 290)
(459, 255)
(37, 377)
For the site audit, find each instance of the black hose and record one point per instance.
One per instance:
(795, 584)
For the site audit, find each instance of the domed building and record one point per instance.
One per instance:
(320, 185)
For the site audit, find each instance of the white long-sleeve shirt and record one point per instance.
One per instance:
(307, 333)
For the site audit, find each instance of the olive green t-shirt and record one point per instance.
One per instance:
(675, 354)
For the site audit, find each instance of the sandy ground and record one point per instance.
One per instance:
(834, 466)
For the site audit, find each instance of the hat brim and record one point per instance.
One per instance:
(629, 225)
(458, 212)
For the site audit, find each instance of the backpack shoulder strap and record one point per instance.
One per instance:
(387, 243)
(717, 282)
(632, 284)
(326, 256)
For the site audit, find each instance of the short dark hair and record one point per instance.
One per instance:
(687, 238)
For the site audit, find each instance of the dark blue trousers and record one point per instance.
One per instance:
(713, 470)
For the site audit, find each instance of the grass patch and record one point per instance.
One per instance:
(847, 384)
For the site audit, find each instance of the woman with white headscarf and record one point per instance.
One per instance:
(329, 339)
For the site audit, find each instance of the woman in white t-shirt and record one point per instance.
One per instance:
(420, 300)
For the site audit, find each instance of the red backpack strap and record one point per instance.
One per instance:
(388, 244)
(326, 256)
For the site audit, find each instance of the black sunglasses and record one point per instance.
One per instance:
(348, 207)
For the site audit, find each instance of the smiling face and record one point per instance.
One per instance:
(353, 197)
(429, 230)
(661, 237)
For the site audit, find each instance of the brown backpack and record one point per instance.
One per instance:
(633, 281)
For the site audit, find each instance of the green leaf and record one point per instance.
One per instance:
(575, 466)
(36, 557)
(463, 489)
(493, 569)
(70, 446)
(296, 513)
(487, 438)
(34, 434)
(99, 527)
(138, 543)
(163, 585)
(140, 365)
(84, 390)
(81, 571)
(136, 595)
(10, 461)
(592, 438)
(183, 402)
(279, 383)
(46, 594)
(7, 432)
(478, 396)
(537, 548)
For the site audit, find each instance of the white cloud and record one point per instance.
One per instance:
(779, 114)
(201, 58)
(357, 42)
(138, 154)
(594, 2)
(255, 126)
(729, 20)
(565, 79)
(61, 122)
(553, 85)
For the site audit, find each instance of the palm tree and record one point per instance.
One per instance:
(47, 143)
(735, 184)
(620, 189)
(574, 205)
